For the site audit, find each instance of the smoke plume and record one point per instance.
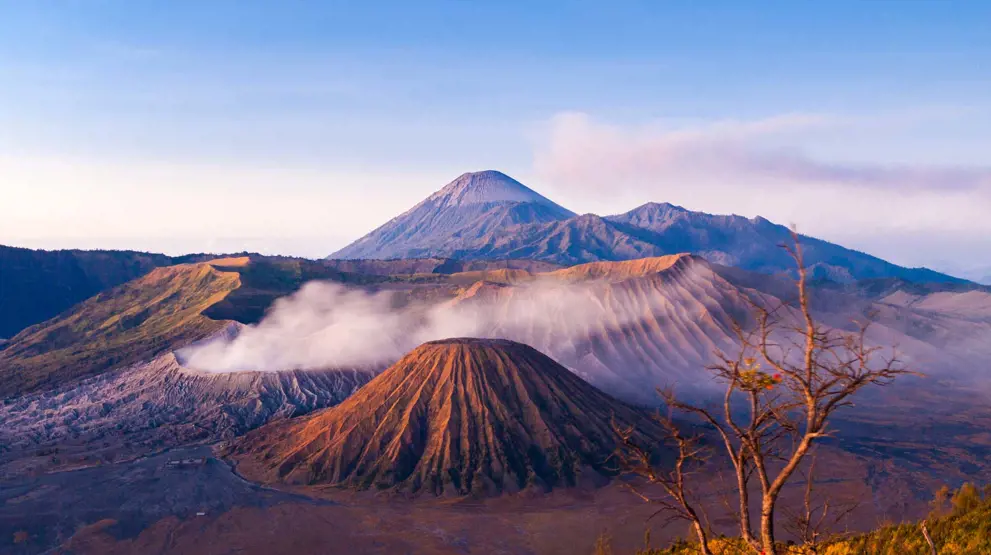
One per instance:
(327, 325)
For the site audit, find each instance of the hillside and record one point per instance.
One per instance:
(576, 240)
(36, 285)
(459, 416)
(614, 271)
(625, 327)
(130, 323)
(964, 528)
(263, 279)
(410, 266)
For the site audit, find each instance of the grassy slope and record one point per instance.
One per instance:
(966, 530)
(37, 285)
(127, 324)
(961, 533)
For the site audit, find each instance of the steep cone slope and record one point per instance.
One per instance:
(456, 416)
(470, 211)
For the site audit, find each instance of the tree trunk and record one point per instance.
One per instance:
(929, 540)
(703, 540)
(767, 527)
(746, 532)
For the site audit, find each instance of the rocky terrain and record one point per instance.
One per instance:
(147, 506)
(105, 383)
(160, 403)
(38, 513)
(460, 416)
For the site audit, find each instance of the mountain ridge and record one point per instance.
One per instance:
(528, 227)
(727, 239)
(130, 323)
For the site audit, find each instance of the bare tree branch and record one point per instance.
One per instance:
(790, 376)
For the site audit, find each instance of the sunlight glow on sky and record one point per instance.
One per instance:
(295, 128)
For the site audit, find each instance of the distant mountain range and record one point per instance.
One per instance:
(980, 275)
(482, 220)
(489, 215)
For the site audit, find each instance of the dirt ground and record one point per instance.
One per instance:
(204, 508)
(146, 506)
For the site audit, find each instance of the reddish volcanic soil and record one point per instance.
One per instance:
(456, 417)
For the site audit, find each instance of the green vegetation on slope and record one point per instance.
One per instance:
(36, 285)
(127, 324)
(960, 524)
(962, 528)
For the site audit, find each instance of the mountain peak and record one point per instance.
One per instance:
(476, 416)
(475, 207)
(488, 186)
(653, 206)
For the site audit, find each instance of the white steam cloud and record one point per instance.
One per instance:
(327, 325)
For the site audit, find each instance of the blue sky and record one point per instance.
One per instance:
(295, 127)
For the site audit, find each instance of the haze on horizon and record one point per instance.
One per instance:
(225, 126)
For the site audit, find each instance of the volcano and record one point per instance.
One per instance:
(472, 210)
(453, 417)
(490, 216)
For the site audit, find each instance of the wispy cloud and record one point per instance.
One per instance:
(912, 213)
(579, 150)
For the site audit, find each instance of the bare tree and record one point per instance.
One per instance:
(788, 378)
(679, 502)
(813, 524)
